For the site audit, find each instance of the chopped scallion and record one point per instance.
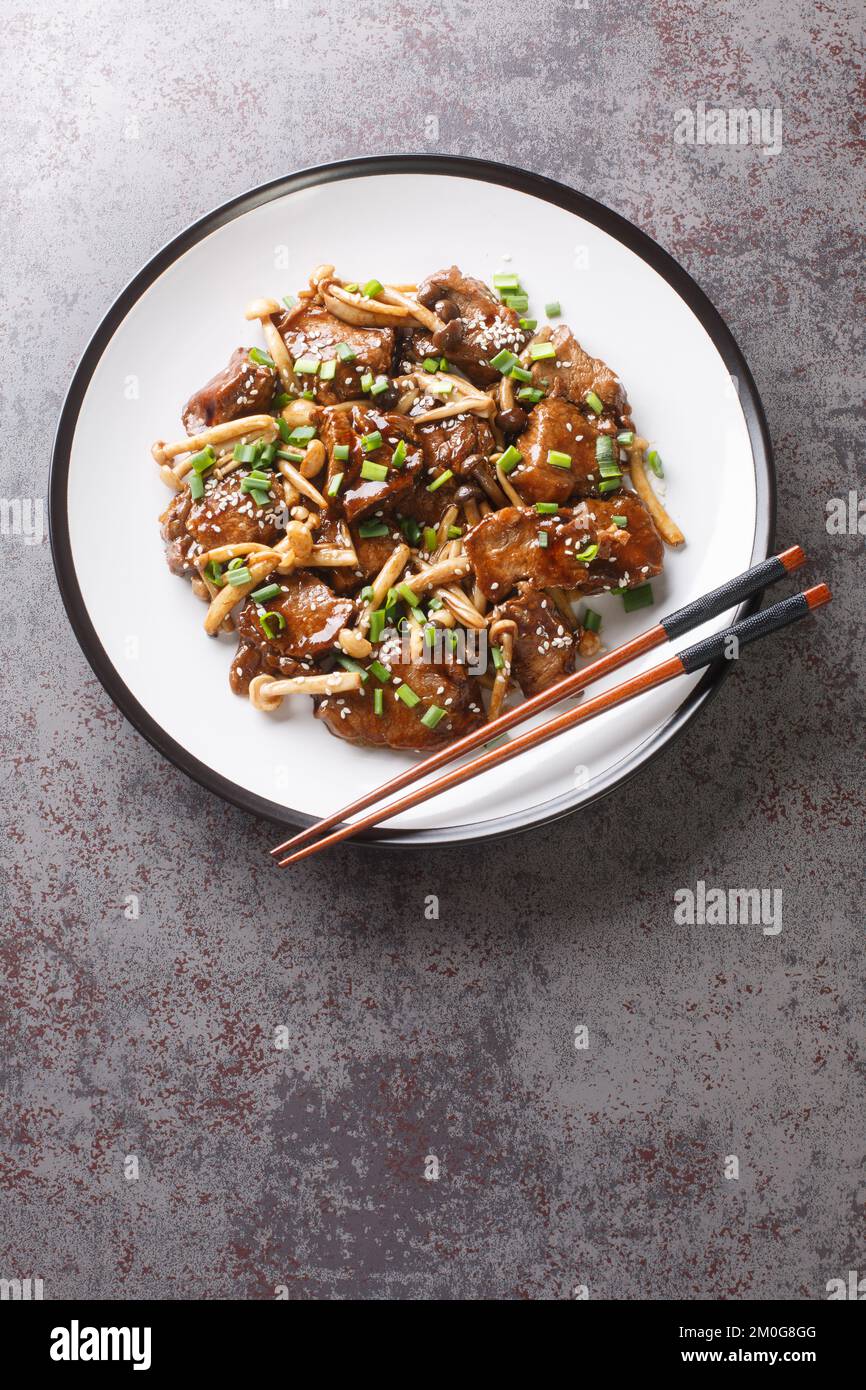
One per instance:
(547, 508)
(378, 670)
(335, 484)
(377, 624)
(345, 353)
(641, 597)
(437, 482)
(586, 555)
(372, 289)
(510, 459)
(374, 472)
(432, 717)
(408, 696)
(504, 361)
(398, 458)
(655, 463)
(539, 351)
(558, 459)
(262, 359)
(341, 453)
(378, 702)
(262, 595)
(430, 538)
(594, 402)
(328, 370)
(553, 309)
(369, 530)
(307, 366)
(371, 442)
(591, 620)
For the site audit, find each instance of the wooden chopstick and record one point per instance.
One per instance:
(675, 625)
(760, 624)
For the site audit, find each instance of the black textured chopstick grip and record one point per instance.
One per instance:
(726, 596)
(758, 625)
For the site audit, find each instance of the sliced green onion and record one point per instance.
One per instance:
(528, 393)
(655, 463)
(369, 530)
(281, 399)
(371, 441)
(591, 620)
(214, 573)
(543, 539)
(437, 482)
(520, 374)
(620, 521)
(377, 624)
(379, 671)
(529, 325)
(328, 370)
(203, 460)
(506, 280)
(431, 540)
(237, 563)
(308, 395)
(431, 364)
(408, 696)
(504, 361)
(419, 615)
(262, 595)
(196, 487)
(498, 658)
(291, 455)
(432, 717)
(238, 576)
(351, 289)
(558, 459)
(585, 556)
(610, 485)
(379, 385)
(267, 456)
(366, 593)
(266, 620)
(443, 388)
(307, 366)
(517, 302)
(345, 353)
(434, 604)
(609, 468)
(398, 458)
(366, 382)
(454, 533)
(302, 434)
(372, 289)
(604, 447)
(641, 597)
(335, 484)
(341, 453)
(443, 364)
(553, 309)
(510, 459)
(594, 402)
(261, 359)
(539, 351)
(349, 663)
(547, 508)
(374, 472)
(411, 530)
(407, 594)
(378, 702)
(627, 437)
(255, 485)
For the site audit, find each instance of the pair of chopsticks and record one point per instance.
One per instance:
(722, 644)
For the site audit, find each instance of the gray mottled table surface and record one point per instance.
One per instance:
(155, 1140)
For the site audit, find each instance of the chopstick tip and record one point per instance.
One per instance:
(817, 596)
(793, 557)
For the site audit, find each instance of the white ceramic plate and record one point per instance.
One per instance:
(398, 219)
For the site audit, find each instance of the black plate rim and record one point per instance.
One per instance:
(484, 170)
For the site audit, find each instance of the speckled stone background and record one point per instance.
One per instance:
(407, 1037)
